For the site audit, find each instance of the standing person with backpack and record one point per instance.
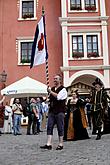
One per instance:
(40, 111)
(8, 125)
(88, 111)
(32, 117)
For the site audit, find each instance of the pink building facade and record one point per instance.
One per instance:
(78, 43)
(85, 37)
(18, 20)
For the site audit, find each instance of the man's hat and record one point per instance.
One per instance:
(97, 81)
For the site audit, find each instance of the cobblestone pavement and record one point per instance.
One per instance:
(25, 150)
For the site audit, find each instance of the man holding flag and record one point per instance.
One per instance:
(58, 95)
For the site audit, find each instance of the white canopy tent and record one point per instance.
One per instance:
(26, 87)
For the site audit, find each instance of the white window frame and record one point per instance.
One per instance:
(83, 8)
(19, 49)
(20, 10)
(85, 45)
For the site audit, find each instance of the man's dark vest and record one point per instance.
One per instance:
(57, 106)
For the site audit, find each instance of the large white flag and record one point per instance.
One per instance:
(39, 53)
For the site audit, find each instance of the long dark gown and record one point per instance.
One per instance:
(75, 122)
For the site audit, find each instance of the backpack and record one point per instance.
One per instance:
(28, 111)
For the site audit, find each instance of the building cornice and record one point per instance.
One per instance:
(77, 19)
(88, 67)
(25, 38)
(84, 30)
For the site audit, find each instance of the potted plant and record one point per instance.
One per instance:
(25, 61)
(24, 16)
(78, 54)
(92, 54)
(73, 7)
(90, 8)
(28, 15)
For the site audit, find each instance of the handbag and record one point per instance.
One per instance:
(6, 117)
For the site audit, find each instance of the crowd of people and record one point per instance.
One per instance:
(36, 111)
(71, 117)
(79, 113)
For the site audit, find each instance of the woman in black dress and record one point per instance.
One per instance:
(75, 119)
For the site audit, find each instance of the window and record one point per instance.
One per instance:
(82, 6)
(85, 45)
(77, 46)
(90, 4)
(26, 48)
(27, 9)
(75, 4)
(92, 46)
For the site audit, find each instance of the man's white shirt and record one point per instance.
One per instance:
(62, 95)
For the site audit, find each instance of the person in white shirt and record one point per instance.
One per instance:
(45, 113)
(57, 107)
(7, 119)
(18, 111)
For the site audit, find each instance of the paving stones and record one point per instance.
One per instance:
(25, 149)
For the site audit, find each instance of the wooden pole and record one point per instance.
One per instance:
(47, 72)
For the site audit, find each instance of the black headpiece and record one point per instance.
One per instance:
(97, 81)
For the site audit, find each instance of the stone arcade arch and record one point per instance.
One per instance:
(88, 72)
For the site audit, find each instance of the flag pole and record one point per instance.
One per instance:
(47, 72)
